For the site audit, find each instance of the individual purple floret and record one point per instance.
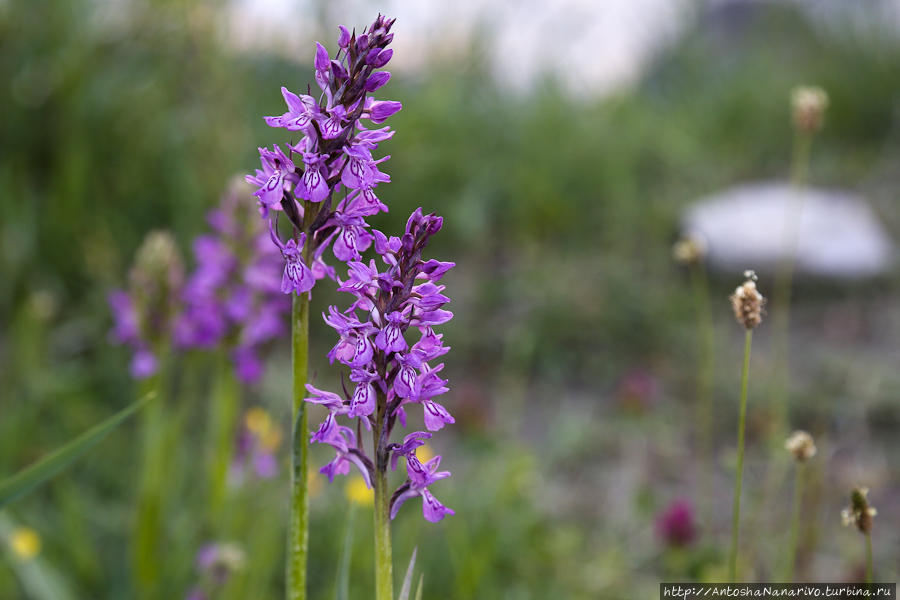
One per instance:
(233, 296)
(325, 184)
(391, 376)
(144, 315)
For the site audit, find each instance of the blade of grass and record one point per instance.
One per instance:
(23, 482)
(342, 585)
(407, 581)
(419, 587)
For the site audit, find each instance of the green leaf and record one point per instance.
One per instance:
(29, 478)
(407, 581)
(419, 587)
(342, 585)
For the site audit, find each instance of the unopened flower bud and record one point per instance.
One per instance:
(157, 274)
(747, 302)
(689, 250)
(801, 445)
(344, 38)
(859, 513)
(377, 80)
(808, 104)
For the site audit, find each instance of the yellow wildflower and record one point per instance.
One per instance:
(25, 542)
(357, 492)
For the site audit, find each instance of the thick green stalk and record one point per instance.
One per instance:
(298, 530)
(869, 557)
(795, 523)
(739, 471)
(223, 411)
(148, 522)
(384, 577)
(705, 375)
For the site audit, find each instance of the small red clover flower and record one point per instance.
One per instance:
(326, 193)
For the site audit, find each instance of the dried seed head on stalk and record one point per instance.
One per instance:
(808, 104)
(859, 513)
(747, 302)
(801, 445)
(689, 250)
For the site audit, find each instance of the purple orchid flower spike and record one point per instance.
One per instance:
(335, 154)
(231, 297)
(390, 374)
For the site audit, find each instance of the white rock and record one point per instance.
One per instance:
(753, 226)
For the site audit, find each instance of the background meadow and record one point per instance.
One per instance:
(575, 346)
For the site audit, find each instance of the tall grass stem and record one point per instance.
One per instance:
(705, 375)
(148, 519)
(739, 471)
(223, 414)
(794, 538)
(869, 569)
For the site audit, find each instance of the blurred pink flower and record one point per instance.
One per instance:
(675, 524)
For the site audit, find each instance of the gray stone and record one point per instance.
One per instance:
(832, 233)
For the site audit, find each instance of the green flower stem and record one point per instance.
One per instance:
(384, 578)
(298, 530)
(148, 523)
(869, 558)
(795, 522)
(739, 471)
(705, 374)
(223, 413)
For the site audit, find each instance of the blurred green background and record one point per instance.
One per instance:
(560, 212)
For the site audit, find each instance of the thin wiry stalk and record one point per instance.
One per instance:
(869, 557)
(705, 373)
(784, 279)
(739, 471)
(795, 523)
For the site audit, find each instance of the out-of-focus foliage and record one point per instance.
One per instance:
(560, 212)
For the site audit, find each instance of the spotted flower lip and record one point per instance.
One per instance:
(302, 109)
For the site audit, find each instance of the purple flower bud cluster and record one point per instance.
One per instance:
(144, 314)
(329, 189)
(231, 300)
(233, 296)
(391, 375)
